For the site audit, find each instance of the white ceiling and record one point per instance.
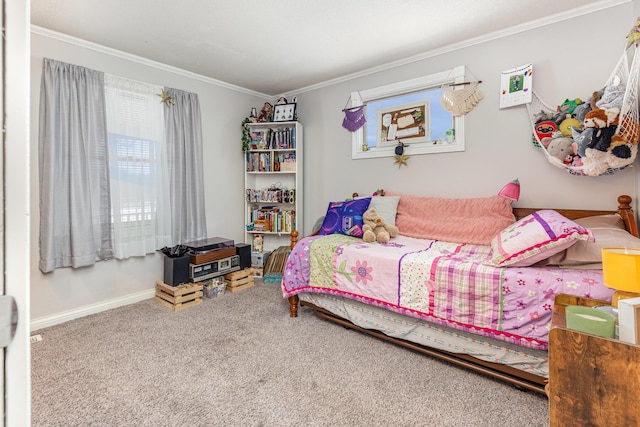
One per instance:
(275, 47)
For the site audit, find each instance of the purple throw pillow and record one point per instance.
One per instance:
(345, 217)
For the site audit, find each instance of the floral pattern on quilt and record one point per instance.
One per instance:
(528, 295)
(446, 283)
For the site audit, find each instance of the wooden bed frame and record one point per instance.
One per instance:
(506, 373)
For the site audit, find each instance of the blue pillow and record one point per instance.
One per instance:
(345, 217)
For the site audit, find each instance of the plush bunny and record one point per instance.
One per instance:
(375, 228)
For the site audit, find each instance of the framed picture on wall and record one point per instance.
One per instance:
(284, 112)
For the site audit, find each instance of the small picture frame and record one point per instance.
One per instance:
(284, 112)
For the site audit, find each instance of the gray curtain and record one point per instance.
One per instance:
(184, 144)
(75, 212)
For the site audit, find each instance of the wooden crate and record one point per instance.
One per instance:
(239, 280)
(179, 297)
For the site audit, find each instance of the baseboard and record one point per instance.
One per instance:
(65, 316)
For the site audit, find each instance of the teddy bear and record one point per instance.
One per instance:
(375, 228)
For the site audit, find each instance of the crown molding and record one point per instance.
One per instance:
(140, 60)
(516, 29)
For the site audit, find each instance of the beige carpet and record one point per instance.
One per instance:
(239, 360)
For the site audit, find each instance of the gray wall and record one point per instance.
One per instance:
(498, 146)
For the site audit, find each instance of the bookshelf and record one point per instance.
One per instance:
(273, 183)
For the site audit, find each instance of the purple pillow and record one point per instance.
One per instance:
(345, 217)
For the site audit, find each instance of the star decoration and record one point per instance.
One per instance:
(165, 98)
(401, 159)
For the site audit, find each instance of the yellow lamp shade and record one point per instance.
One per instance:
(621, 268)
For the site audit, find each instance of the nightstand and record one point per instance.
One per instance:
(593, 381)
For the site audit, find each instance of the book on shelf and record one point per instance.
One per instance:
(284, 139)
(272, 219)
(273, 139)
(266, 161)
(259, 161)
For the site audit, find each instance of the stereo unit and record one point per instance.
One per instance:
(213, 269)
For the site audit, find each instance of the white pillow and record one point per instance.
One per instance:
(608, 230)
(387, 207)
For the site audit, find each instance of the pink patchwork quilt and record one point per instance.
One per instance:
(451, 284)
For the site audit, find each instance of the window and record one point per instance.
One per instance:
(409, 112)
(135, 164)
(112, 157)
(138, 167)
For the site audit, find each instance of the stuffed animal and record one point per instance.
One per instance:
(619, 147)
(568, 124)
(604, 123)
(595, 97)
(559, 149)
(582, 110)
(375, 228)
(546, 141)
(265, 113)
(545, 129)
(600, 162)
(544, 116)
(600, 118)
(595, 162)
(569, 105)
(582, 139)
(612, 149)
(612, 96)
(622, 156)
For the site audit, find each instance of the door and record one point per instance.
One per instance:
(14, 215)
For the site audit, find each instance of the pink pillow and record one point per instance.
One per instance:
(473, 220)
(534, 238)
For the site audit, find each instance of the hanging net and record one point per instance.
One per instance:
(597, 136)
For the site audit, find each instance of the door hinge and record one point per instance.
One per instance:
(8, 319)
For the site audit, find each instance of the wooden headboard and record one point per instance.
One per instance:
(624, 210)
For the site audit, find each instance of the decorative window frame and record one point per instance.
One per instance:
(454, 75)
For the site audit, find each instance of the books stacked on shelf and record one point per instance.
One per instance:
(274, 139)
(285, 162)
(267, 161)
(272, 219)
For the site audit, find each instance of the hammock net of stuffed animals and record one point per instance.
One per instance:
(599, 136)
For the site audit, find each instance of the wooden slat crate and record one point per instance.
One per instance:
(239, 280)
(179, 297)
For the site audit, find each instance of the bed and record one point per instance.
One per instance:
(453, 300)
